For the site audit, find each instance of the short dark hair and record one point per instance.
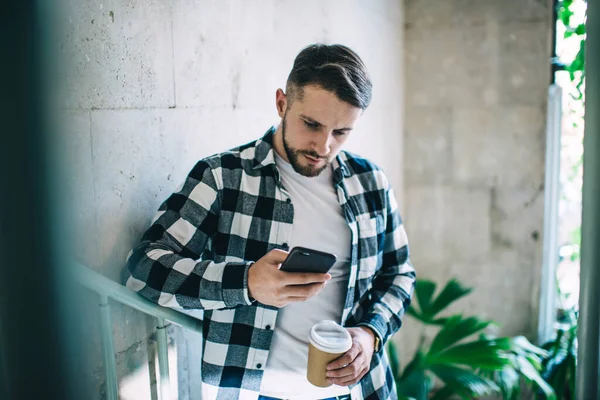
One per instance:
(334, 68)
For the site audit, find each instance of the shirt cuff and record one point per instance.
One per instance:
(378, 326)
(235, 284)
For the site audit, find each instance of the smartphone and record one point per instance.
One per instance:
(301, 259)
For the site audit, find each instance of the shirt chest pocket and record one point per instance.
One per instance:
(370, 244)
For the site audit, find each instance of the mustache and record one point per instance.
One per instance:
(312, 154)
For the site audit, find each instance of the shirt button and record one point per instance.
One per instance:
(268, 327)
(285, 246)
(259, 365)
(288, 200)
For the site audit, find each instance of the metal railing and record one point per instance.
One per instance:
(108, 289)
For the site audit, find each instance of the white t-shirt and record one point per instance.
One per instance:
(318, 224)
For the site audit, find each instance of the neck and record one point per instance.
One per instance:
(278, 143)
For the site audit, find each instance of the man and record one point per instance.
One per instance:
(217, 243)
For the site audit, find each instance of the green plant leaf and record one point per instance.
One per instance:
(417, 384)
(553, 346)
(578, 62)
(560, 373)
(464, 382)
(449, 294)
(522, 345)
(563, 12)
(535, 361)
(415, 364)
(444, 393)
(482, 354)
(571, 378)
(428, 307)
(559, 366)
(558, 379)
(454, 330)
(424, 293)
(552, 364)
(580, 29)
(531, 374)
(418, 315)
(509, 382)
(439, 321)
(425, 319)
(394, 358)
(415, 380)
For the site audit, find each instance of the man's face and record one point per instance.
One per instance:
(315, 128)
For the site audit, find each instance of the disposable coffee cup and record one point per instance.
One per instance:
(327, 341)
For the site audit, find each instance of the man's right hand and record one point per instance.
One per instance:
(269, 285)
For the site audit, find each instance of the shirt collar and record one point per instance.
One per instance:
(263, 152)
(340, 169)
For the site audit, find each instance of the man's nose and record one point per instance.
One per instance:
(322, 145)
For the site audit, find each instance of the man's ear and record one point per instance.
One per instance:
(281, 102)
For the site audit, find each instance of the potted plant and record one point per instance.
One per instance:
(560, 364)
(467, 362)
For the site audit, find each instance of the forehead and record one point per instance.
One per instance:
(324, 107)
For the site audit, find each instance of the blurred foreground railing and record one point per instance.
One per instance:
(108, 289)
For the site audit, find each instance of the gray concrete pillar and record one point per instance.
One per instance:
(588, 364)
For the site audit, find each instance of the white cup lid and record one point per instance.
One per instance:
(330, 337)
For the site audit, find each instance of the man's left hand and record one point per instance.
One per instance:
(352, 366)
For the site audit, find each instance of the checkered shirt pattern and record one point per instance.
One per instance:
(231, 210)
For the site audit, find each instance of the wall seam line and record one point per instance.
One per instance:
(173, 56)
(94, 191)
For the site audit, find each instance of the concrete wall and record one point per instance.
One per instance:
(153, 86)
(477, 74)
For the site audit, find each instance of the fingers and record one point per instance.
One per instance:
(353, 365)
(344, 360)
(304, 278)
(297, 293)
(350, 380)
(276, 256)
(347, 373)
(302, 291)
(288, 300)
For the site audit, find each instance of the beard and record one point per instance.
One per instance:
(294, 156)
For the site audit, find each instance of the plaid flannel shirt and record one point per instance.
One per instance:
(231, 210)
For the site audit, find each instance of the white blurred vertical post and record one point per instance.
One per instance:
(548, 292)
(108, 349)
(163, 359)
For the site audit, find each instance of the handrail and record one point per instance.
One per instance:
(104, 286)
(106, 289)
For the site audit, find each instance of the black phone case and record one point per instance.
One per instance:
(302, 259)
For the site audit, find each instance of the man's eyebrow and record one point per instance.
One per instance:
(313, 121)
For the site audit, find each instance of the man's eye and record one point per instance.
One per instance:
(339, 133)
(311, 125)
